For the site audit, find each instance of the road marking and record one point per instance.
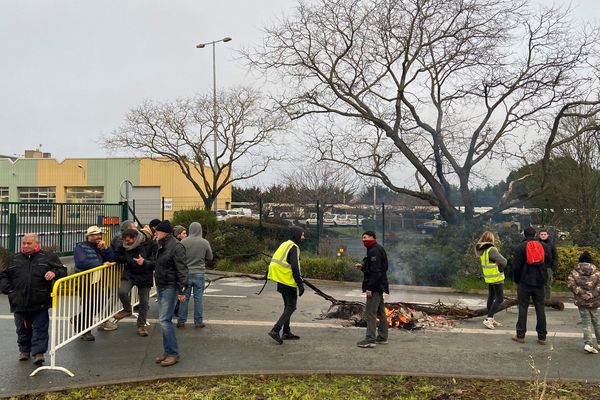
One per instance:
(226, 295)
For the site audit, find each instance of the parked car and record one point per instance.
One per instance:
(222, 215)
(328, 219)
(348, 219)
(430, 227)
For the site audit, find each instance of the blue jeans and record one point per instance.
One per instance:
(32, 331)
(167, 298)
(195, 282)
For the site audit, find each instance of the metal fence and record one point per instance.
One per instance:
(59, 226)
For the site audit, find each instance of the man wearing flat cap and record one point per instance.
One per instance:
(171, 278)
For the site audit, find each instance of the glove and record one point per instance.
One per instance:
(300, 290)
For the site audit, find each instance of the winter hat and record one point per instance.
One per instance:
(154, 222)
(585, 257)
(177, 229)
(164, 226)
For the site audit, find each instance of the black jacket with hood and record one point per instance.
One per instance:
(530, 274)
(375, 267)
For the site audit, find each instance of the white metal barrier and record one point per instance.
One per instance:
(81, 302)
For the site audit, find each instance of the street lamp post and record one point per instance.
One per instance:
(201, 46)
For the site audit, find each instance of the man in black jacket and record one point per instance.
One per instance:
(551, 260)
(531, 279)
(171, 278)
(375, 283)
(27, 277)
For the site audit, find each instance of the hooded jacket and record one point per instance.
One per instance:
(22, 278)
(530, 274)
(197, 249)
(584, 282)
(495, 255)
(140, 275)
(293, 256)
(375, 267)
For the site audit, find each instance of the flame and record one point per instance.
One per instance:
(395, 317)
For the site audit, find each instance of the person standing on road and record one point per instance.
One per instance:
(584, 282)
(27, 278)
(375, 284)
(285, 270)
(89, 254)
(492, 264)
(171, 278)
(197, 252)
(551, 261)
(530, 274)
(135, 244)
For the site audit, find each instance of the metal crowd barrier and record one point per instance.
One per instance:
(81, 302)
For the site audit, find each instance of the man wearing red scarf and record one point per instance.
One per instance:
(27, 278)
(375, 283)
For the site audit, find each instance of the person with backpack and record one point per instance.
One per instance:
(584, 282)
(531, 275)
(492, 265)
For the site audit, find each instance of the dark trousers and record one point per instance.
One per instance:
(495, 298)
(375, 310)
(144, 296)
(290, 299)
(524, 293)
(32, 331)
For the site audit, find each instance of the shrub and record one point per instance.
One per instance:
(568, 257)
(237, 243)
(207, 219)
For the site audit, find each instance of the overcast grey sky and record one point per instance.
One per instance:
(71, 69)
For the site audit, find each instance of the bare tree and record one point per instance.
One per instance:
(438, 86)
(182, 132)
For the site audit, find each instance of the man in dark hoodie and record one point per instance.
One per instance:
(551, 260)
(285, 270)
(531, 278)
(171, 278)
(375, 284)
(197, 252)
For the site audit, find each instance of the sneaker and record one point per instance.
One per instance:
(23, 356)
(180, 325)
(141, 331)
(366, 343)
(590, 349)
(88, 337)
(289, 336)
(489, 323)
(38, 359)
(275, 336)
(381, 341)
(122, 314)
(542, 342)
(108, 326)
(200, 325)
(496, 323)
(518, 339)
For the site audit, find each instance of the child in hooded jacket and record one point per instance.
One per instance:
(584, 282)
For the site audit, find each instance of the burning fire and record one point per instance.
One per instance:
(396, 317)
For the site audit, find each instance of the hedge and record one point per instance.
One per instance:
(568, 257)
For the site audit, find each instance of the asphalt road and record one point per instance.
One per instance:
(235, 341)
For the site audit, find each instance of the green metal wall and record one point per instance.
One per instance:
(20, 173)
(110, 173)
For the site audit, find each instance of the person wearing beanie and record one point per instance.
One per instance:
(179, 232)
(197, 252)
(375, 283)
(530, 274)
(171, 279)
(285, 270)
(152, 224)
(584, 282)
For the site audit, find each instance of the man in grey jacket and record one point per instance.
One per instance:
(198, 251)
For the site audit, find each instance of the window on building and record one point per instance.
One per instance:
(37, 194)
(85, 194)
(4, 199)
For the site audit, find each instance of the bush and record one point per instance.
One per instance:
(273, 233)
(237, 243)
(568, 257)
(207, 219)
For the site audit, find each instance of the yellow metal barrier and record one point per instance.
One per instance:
(81, 302)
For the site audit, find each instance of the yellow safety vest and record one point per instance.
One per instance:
(491, 273)
(279, 269)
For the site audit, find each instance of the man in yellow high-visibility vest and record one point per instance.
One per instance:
(285, 270)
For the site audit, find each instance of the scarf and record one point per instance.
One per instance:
(139, 239)
(369, 242)
(33, 251)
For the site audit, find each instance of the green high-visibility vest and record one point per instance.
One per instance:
(279, 269)
(491, 273)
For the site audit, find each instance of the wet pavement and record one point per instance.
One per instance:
(235, 341)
